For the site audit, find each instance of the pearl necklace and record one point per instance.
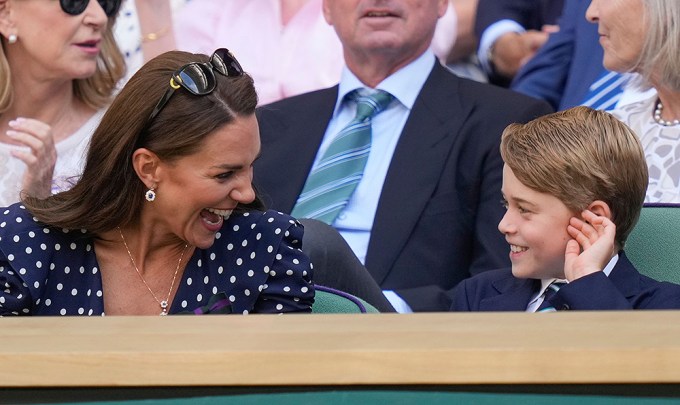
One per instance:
(661, 121)
(162, 303)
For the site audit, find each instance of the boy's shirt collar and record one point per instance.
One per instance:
(545, 282)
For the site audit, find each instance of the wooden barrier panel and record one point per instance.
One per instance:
(342, 350)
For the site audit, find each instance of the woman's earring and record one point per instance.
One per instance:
(12, 39)
(150, 195)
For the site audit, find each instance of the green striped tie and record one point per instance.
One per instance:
(332, 182)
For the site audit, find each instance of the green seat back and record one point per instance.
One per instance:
(654, 244)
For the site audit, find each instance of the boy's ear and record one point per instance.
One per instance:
(146, 165)
(600, 208)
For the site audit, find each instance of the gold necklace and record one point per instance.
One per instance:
(162, 303)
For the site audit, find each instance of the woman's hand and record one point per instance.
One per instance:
(592, 245)
(40, 158)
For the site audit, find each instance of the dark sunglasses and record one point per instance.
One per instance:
(198, 77)
(75, 7)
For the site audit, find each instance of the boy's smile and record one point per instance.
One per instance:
(535, 226)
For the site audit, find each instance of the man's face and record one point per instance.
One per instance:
(399, 27)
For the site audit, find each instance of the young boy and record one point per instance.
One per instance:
(573, 186)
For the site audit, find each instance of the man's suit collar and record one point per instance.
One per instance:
(424, 146)
(625, 276)
(513, 294)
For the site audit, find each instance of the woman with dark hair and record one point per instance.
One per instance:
(164, 219)
(59, 68)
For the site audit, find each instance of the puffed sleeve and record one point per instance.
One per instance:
(289, 286)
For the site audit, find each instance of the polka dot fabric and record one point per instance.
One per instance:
(256, 261)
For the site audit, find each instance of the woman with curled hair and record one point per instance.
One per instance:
(59, 66)
(164, 218)
(643, 36)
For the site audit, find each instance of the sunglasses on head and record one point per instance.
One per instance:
(198, 77)
(75, 7)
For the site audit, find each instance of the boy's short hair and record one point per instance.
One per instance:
(581, 155)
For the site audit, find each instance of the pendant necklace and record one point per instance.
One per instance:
(162, 303)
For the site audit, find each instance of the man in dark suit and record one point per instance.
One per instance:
(510, 32)
(571, 60)
(424, 215)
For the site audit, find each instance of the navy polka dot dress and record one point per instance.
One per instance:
(255, 263)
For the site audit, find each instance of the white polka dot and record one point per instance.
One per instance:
(232, 279)
(296, 261)
(90, 312)
(272, 273)
(74, 292)
(199, 297)
(279, 307)
(235, 228)
(89, 292)
(67, 269)
(214, 290)
(244, 243)
(200, 263)
(16, 238)
(252, 255)
(286, 289)
(260, 287)
(270, 220)
(81, 311)
(247, 292)
(73, 246)
(19, 220)
(62, 311)
(270, 249)
(38, 264)
(184, 304)
(43, 246)
(99, 293)
(52, 266)
(266, 269)
(206, 280)
(220, 270)
(2, 300)
(258, 236)
(31, 234)
(29, 250)
(22, 271)
(289, 272)
(279, 257)
(57, 246)
(277, 231)
(245, 312)
(2, 225)
(287, 234)
(82, 270)
(45, 230)
(251, 273)
(95, 270)
(48, 302)
(230, 246)
(189, 281)
(36, 284)
(252, 226)
(212, 256)
(304, 289)
(232, 298)
(239, 261)
(218, 235)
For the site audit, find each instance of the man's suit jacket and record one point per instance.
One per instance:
(437, 216)
(564, 68)
(625, 288)
(530, 14)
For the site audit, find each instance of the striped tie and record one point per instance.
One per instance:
(548, 294)
(605, 92)
(332, 182)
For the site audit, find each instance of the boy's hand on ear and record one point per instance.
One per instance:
(592, 245)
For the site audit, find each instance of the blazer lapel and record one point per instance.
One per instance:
(512, 294)
(302, 135)
(418, 161)
(625, 276)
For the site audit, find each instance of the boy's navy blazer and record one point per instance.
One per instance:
(438, 212)
(625, 288)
